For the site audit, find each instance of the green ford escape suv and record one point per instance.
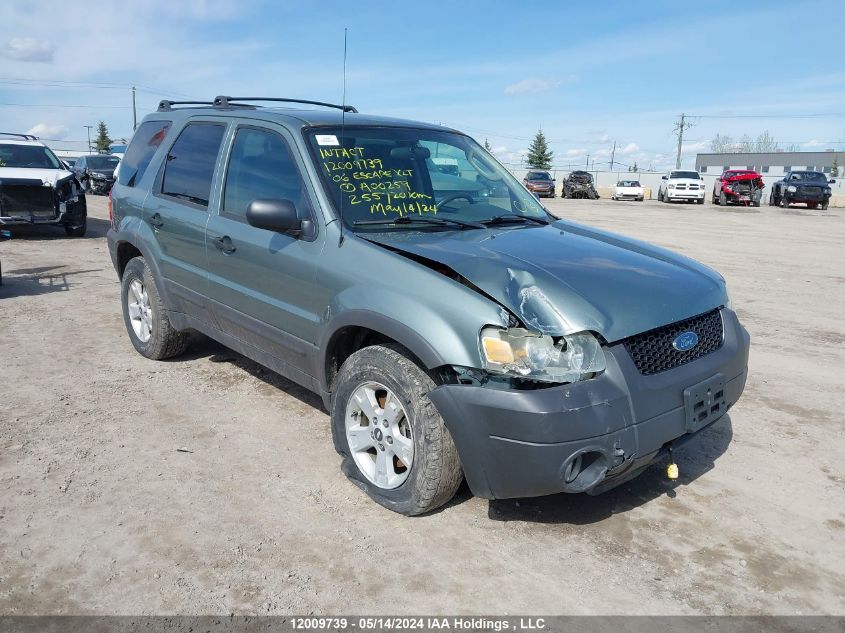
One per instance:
(453, 327)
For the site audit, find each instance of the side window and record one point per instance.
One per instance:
(190, 163)
(261, 166)
(145, 142)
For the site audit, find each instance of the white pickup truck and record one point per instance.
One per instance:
(681, 185)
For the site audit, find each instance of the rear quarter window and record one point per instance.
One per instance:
(148, 138)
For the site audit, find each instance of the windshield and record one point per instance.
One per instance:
(685, 174)
(34, 156)
(628, 183)
(103, 162)
(812, 176)
(538, 175)
(386, 173)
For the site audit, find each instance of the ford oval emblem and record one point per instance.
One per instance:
(685, 341)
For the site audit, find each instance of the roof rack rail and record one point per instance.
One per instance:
(26, 137)
(224, 102)
(166, 105)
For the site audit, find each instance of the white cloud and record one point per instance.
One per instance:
(630, 148)
(28, 49)
(533, 85)
(690, 148)
(45, 130)
(813, 143)
(604, 138)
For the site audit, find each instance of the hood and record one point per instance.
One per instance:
(686, 181)
(108, 173)
(48, 176)
(566, 278)
(753, 176)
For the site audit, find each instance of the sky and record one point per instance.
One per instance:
(587, 74)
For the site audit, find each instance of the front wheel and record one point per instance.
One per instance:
(783, 202)
(145, 316)
(395, 445)
(723, 199)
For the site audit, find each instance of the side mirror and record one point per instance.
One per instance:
(831, 181)
(274, 215)
(665, 178)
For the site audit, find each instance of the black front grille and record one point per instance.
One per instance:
(26, 200)
(652, 351)
(811, 191)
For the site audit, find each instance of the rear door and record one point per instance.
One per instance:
(177, 211)
(261, 283)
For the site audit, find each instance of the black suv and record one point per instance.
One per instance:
(808, 187)
(96, 172)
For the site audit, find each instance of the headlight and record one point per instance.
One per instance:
(827, 189)
(671, 186)
(97, 174)
(791, 189)
(527, 354)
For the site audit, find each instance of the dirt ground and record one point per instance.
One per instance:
(102, 513)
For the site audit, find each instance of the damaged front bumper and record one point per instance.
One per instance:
(31, 201)
(593, 435)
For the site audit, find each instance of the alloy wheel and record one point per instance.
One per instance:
(140, 310)
(378, 432)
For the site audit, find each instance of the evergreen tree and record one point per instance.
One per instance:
(102, 142)
(834, 168)
(487, 146)
(539, 155)
(634, 167)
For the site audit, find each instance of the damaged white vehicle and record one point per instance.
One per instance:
(36, 188)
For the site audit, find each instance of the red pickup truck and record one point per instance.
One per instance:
(738, 186)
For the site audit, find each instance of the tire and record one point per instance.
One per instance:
(812, 205)
(162, 339)
(699, 201)
(783, 203)
(825, 205)
(772, 198)
(77, 231)
(435, 471)
(723, 199)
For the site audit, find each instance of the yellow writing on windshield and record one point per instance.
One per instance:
(382, 189)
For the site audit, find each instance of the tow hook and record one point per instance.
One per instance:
(672, 468)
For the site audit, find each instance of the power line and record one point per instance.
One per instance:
(766, 116)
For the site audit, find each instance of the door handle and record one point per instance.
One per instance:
(156, 221)
(224, 244)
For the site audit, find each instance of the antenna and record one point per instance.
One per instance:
(343, 130)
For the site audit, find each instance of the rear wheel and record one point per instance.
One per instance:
(394, 443)
(145, 316)
(772, 198)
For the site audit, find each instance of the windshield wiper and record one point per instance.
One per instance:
(512, 218)
(419, 219)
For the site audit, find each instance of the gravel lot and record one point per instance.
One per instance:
(100, 512)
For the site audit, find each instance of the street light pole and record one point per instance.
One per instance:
(88, 127)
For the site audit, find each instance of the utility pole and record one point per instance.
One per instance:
(588, 162)
(134, 112)
(88, 127)
(612, 156)
(679, 130)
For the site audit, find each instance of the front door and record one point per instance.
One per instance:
(261, 282)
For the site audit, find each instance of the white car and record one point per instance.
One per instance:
(682, 185)
(628, 190)
(37, 188)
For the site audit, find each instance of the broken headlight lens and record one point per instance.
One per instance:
(536, 356)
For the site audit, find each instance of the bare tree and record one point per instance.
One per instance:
(722, 144)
